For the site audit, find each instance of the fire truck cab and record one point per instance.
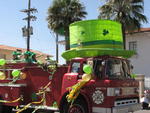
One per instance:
(111, 90)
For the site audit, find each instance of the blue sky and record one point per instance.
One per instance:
(11, 23)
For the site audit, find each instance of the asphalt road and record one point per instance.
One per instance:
(143, 111)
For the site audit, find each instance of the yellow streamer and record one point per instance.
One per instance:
(75, 89)
(28, 105)
(13, 101)
(40, 92)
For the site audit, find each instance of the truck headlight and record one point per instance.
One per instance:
(2, 76)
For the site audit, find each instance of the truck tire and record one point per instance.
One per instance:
(79, 106)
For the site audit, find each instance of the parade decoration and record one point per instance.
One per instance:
(41, 93)
(2, 76)
(15, 73)
(12, 101)
(16, 55)
(133, 76)
(23, 75)
(75, 89)
(30, 57)
(87, 69)
(2, 62)
(95, 38)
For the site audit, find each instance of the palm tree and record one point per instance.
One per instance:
(128, 12)
(61, 14)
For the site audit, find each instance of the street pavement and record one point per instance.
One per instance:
(143, 111)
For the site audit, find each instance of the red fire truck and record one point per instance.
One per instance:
(31, 87)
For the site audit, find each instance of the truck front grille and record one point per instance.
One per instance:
(126, 102)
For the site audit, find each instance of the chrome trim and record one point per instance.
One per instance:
(127, 108)
(101, 110)
(12, 85)
(9, 69)
(126, 102)
(118, 109)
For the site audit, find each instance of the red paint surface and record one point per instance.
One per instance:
(62, 79)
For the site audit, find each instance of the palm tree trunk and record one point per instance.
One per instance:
(67, 46)
(124, 37)
(67, 39)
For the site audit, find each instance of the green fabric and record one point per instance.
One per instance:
(95, 38)
(109, 43)
(101, 46)
(95, 32)
(30, 55)
(91, 52)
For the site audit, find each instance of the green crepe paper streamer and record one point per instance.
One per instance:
(2, 62)
(87, 69)
(34, 97)
(133, 75)
(16, 73)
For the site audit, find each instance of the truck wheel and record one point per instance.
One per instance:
(79, 106)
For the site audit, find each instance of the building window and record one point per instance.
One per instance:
(133, 45)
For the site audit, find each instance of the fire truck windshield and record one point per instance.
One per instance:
(117, 68)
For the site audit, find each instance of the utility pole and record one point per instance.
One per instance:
(29, 30)
(57, 60)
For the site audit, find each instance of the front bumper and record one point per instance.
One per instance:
(118, 109)
(127, 108)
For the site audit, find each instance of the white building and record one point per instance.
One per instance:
(140, 42)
